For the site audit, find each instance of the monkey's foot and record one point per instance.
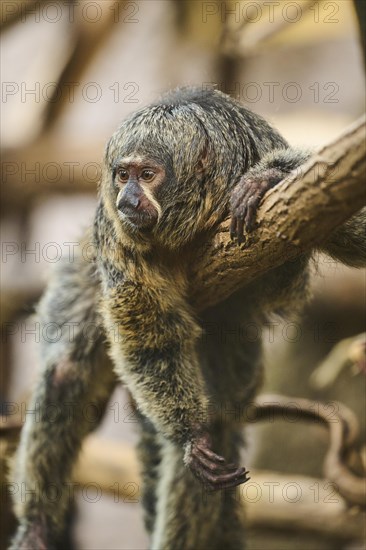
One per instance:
(245, 200)
(211, 469)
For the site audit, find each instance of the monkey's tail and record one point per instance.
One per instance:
(348, 242)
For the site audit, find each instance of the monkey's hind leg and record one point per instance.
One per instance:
(72, 390)
(231, 530)
(191, 517)
(184, 517)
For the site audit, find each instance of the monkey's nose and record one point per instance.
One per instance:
(135, 202)
(128, 203)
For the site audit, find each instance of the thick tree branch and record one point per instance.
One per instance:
(297, 215)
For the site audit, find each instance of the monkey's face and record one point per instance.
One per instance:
(168, 183)
(136, 180)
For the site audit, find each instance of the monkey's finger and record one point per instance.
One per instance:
(234, 478)
(220, 467)
(209, 464)
(251, 212)
(239, 480)
(210, 454)
(231, 466)
(213, 487)
(233, 228)
(240, 229)
(239, 473)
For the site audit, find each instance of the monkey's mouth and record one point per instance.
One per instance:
(143, 221)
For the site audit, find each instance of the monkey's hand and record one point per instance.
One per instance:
(211, 469)
(246, 197)
(254, 184)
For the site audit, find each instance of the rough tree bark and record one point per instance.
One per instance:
(298, 214)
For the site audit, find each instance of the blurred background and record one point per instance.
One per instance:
(70, 72)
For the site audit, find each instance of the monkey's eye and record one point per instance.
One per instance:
(147, 175)
(122, 174)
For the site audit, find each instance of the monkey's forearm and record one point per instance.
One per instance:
(281, 162)
(153, 351)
